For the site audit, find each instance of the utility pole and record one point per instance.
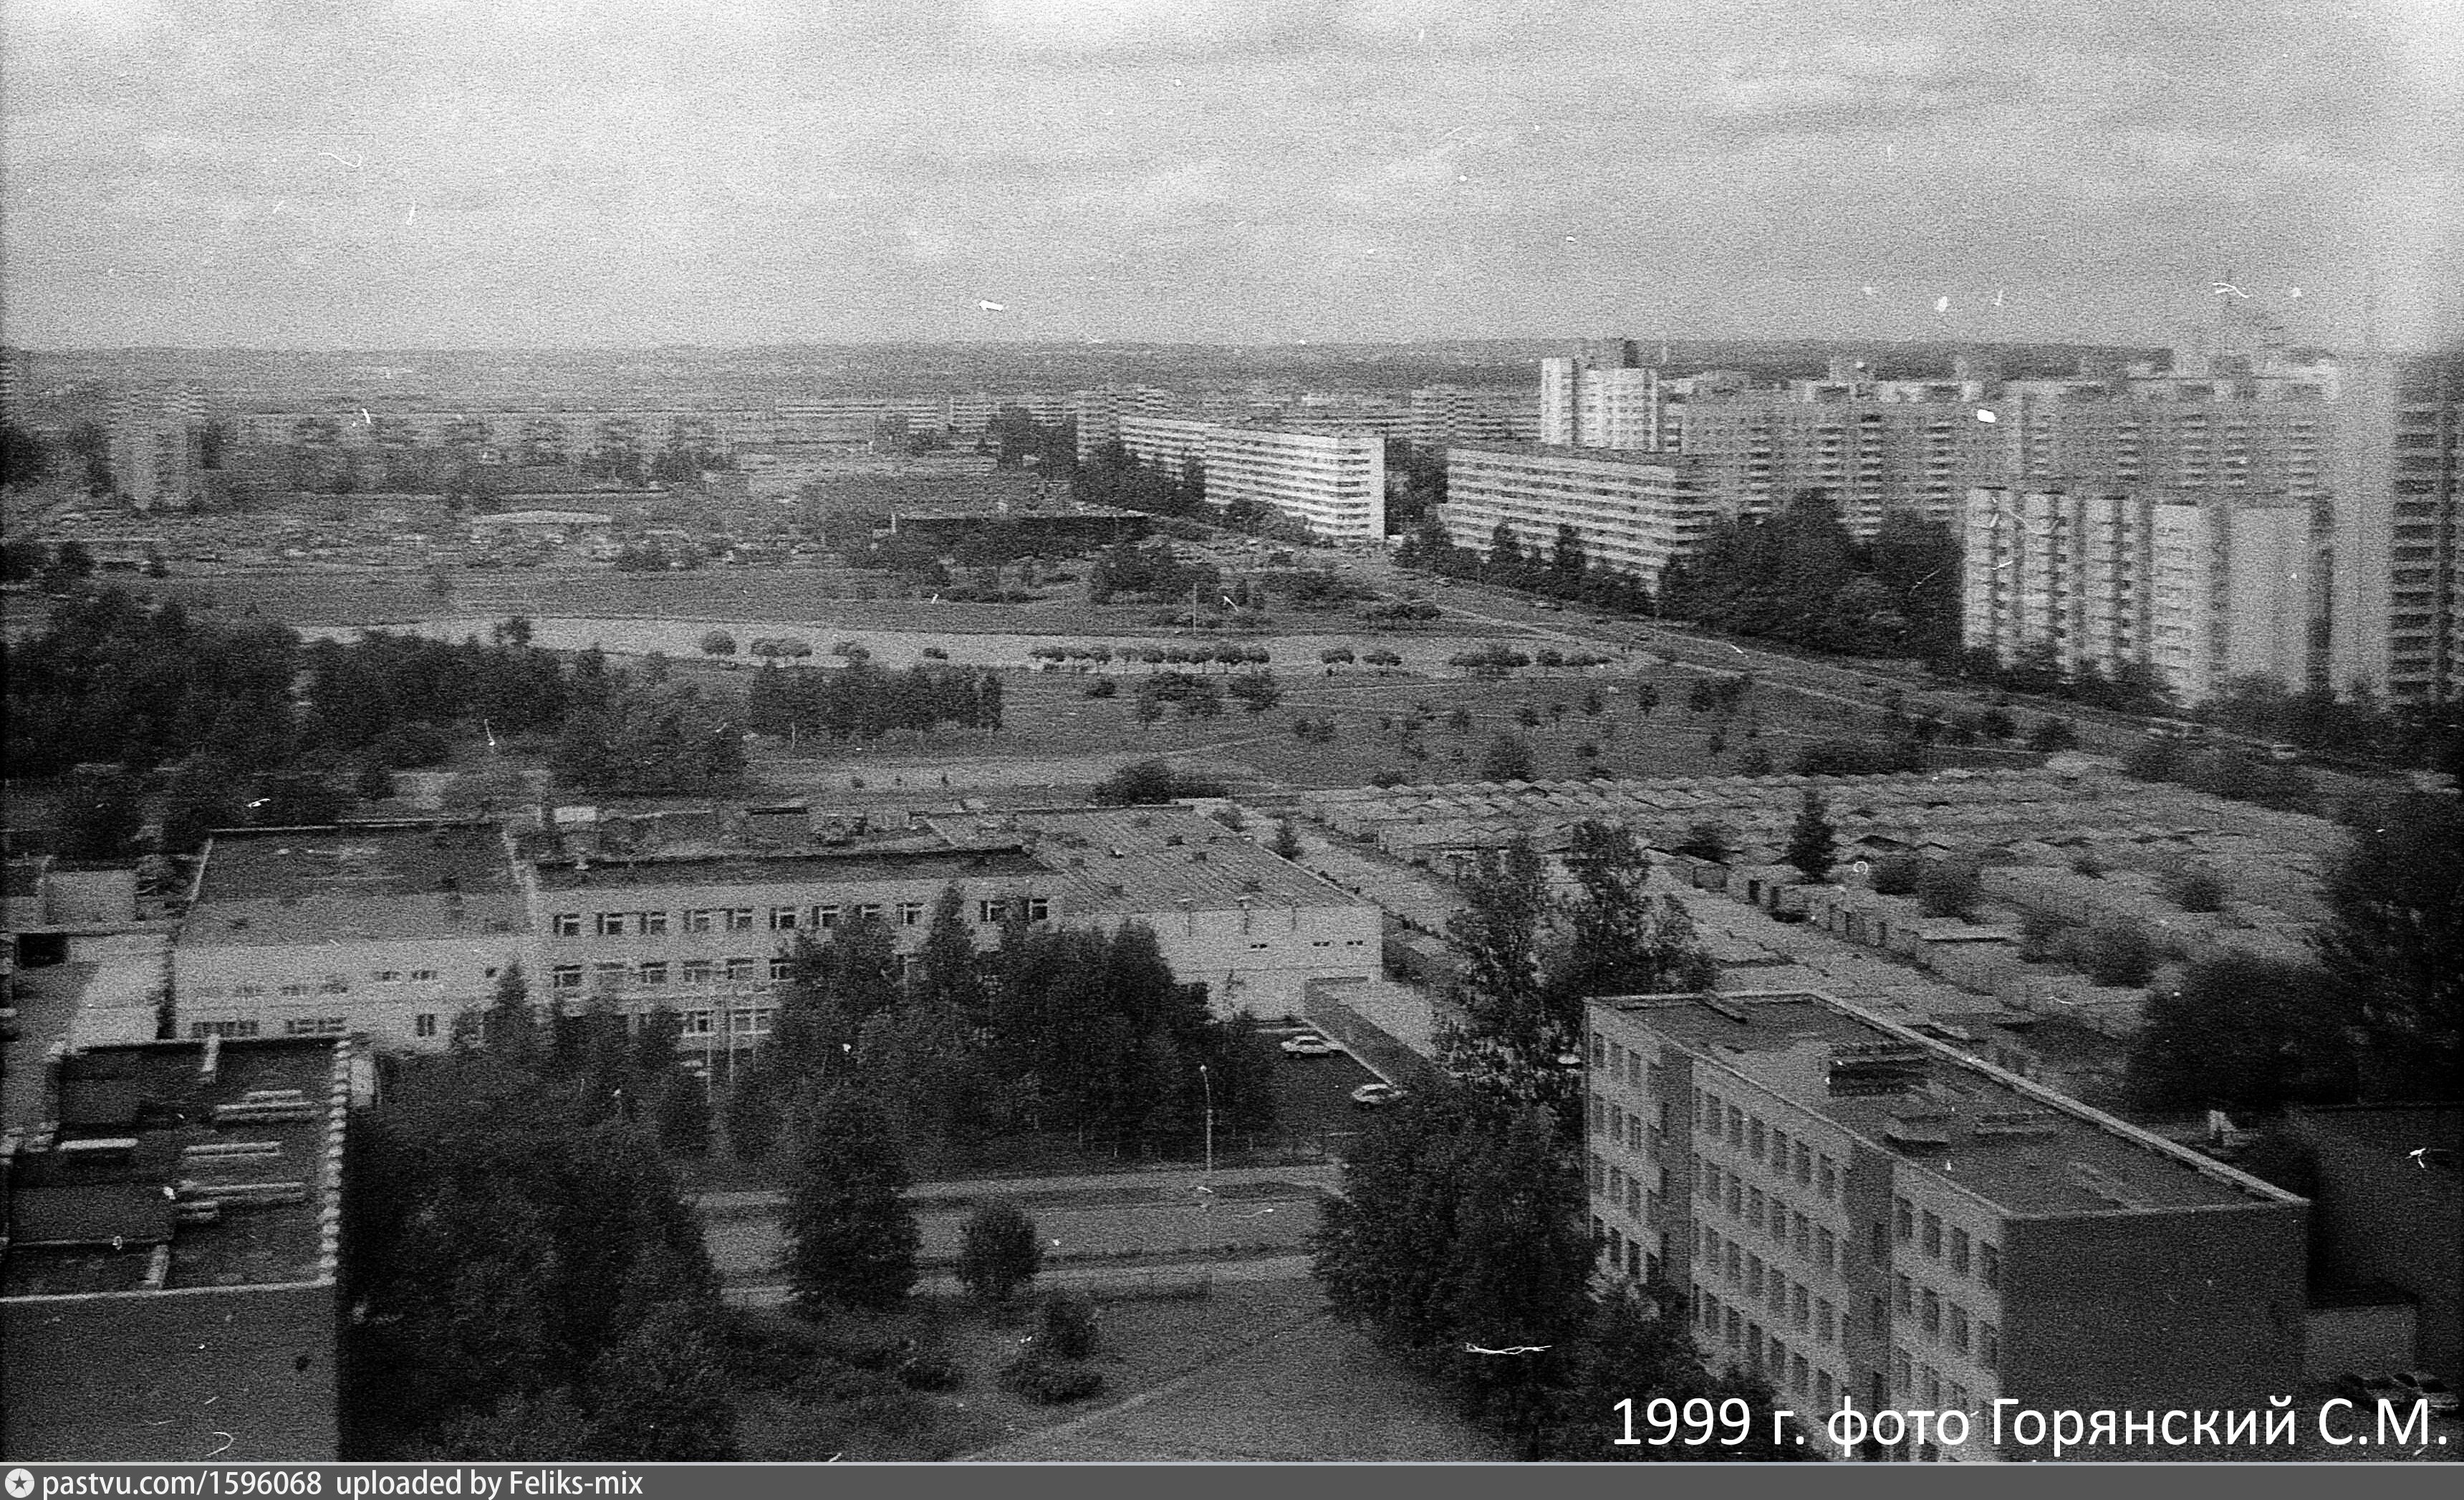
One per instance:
(1206, 1192)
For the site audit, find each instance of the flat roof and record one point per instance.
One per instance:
(2026, 1149)
(375, 882)
(849, 867)
(83, 1219)
(1165, 854)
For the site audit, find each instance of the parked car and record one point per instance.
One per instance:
(1569, 1059)
(1373, 1095)
(2283, 753)
(2421, 1384)
(1310, 1046)
(2367, 1391)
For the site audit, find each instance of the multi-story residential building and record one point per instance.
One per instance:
(2204, 589)
(1331, 481)
(169, 1282)
(154, 439)
(1166, 441)
(1443, 414)
(1873, 448)
(1863, 1215)
(1603, 397)
(1632, 511)
(1099, 413)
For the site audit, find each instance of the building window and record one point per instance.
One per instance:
(654, 924)
(1804, 1164)
(1988, 1346)
(739, 971)
(199, 1029)
(1933, 1235)
(566, 975)
(1904, 1219)
(568, 924)
(992, 911)
(1989, 1265)
(781, 968)
(423, 1026)
(1826, 1326)
(1932, 1319)
(698, 920)
(1826, 1249)
(611, 924)
(1959, 1252)
(1801, 1235)
(1736, 1126)
(654, 971)
(1830, 1180)
(911, 913)
(386, 976)
(782, 918)
(1755, 1137)
(697, 1023)
(1906, 1299)
(825, 917)
(739, 919)
(1958, 1318)
(312, 1025)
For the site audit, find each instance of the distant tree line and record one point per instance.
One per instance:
(865, 702)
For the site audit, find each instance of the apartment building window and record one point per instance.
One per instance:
(1804, 1164)
(911, 913)
(1904, 1298)
(566, 975)
(1932, 1388)
(698, 919)
(1732, 1262)
(1931, 1322)
(1824, 1392)
(1878, 1317)
(870, 911)
(1736, 1126)
(1989, 1265)
(1754, 1207)
(1736, 1195)
(740, 970)
(1959, 1252)
(782, 969)
(1755, 1137)
(1988, 1346)
(1039, 909)
(739, 919)
(1826, 1324)
(1830, 1175)
(421, 976)
(312, 1025)
(697, 1023)
(1957, 1317)
(1800, 1305)
(992, 911)
(1904, 1219)
(423, 1025)
(611, 924)
(1801, 1236)
(654, 925)
(782, 918)
(693, 970)
(824, 918)
(652, 972)
(386, 976)
(567, 924)
(1826, 1249)
(200, 1029)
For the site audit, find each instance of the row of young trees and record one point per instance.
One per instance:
(865, 702)
(1462, 1239)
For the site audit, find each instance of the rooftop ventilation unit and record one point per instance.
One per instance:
(1871, 1068)
(2100, 1183)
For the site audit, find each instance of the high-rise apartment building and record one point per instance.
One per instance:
(2203, 589)
(1443, 414)
(1862, 1214)
(1603, 397)
(1331, 479)
(1632, 511)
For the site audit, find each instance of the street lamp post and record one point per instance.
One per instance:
(1206, 1081)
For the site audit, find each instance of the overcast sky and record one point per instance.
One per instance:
(357, 173)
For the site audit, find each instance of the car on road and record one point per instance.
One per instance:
(2420, 1384)
(2283, 752)
(1374, 1095)
(1569, 1059)
(1310, 1047)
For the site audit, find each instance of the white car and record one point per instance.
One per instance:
(1310, 1046)
(1371, 1096)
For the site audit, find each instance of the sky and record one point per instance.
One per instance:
(536, 173)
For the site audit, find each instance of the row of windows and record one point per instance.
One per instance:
(298, 1026)
(653, 972)
(1762, 1282)
(1766, 1144)
(1767, 1215)
(1927, 1226)
(1768, 1354)
(778, 919)
(330, 985)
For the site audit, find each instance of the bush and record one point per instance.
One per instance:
(2193, 889)
(1049, 1383)
(1897, 875)
(2088, 865)
(1103, 688)
(931, 1372)
(1066, 1329)
(1948, 888)
(999, 1253)
(2114, 954)
(2040, 936)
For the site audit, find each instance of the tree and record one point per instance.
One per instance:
(661, 1394)
(1948, 888)
(851, 1238)
(1507, 758)
(101, 813)
(717, 643)
(999, 1253)
(2394, 947)
(2193, 889)
(1496, 936)
(1812, 840)
(1285, 843)
(948, 967)
(1706, 839)
(512, 1032)
(2241, 1034)
(682, 1115)
(2116, 954)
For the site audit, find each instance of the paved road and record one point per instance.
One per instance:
(1167, 1181)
